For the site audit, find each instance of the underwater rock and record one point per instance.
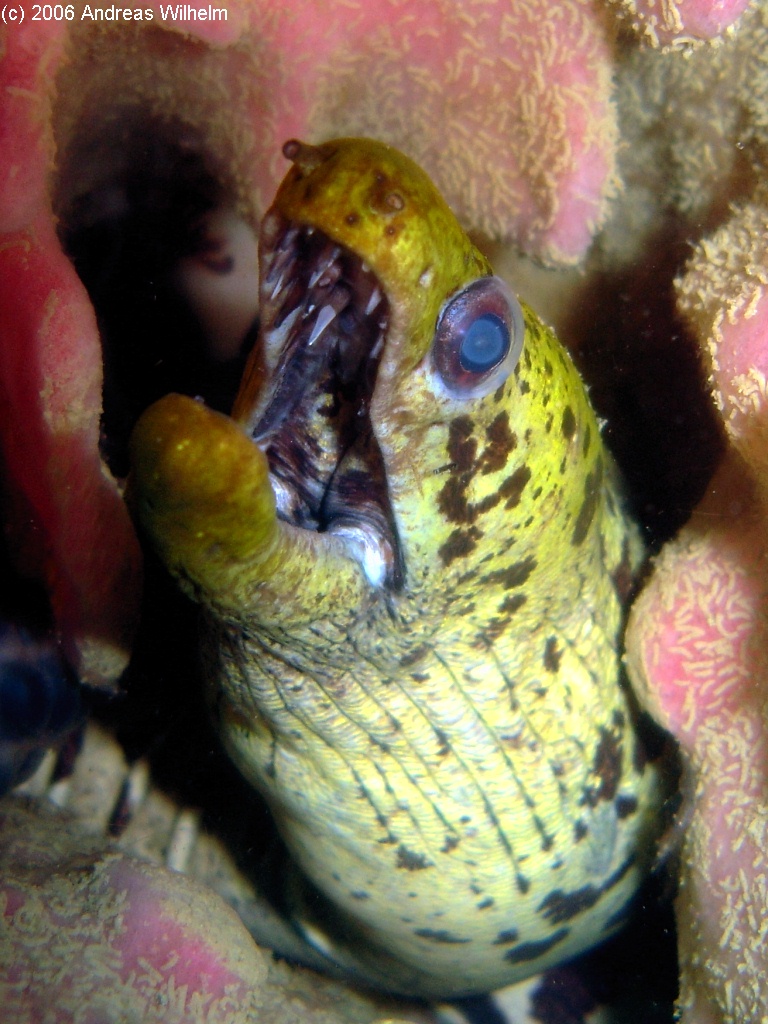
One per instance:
(665, 23)
(695, 127)
(89, 934)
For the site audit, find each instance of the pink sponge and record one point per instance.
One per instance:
(697, 641)
(68, 524)
(96, 936)
(507, 105)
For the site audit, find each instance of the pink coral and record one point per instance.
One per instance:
(698, 641)
(123, 940)
(67, 521)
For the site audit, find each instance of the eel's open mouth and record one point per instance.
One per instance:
(324, 318)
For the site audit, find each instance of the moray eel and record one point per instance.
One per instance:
(411, 550)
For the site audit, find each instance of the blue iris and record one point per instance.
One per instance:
(485, 344)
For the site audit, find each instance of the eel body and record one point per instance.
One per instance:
(410, 546)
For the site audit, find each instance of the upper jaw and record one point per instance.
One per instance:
(324, 324)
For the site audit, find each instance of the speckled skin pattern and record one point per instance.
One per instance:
(450, 756)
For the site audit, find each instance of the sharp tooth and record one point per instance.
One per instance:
(324, 317)
(373, 301)
(277, 287)
(292, 298)
(278, 264)
(327, 267)
(377, 347)
(276, 337)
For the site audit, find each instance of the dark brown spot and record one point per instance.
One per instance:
(410, 861)
(622, 575)
(352, 218)
(444, 743)
(415, 654)
(360, 894)
(451, 842)
(495, 628)
(506, 938)
(511, 603)
(512, 488)
(459, 544)
(560, 906)
(439, 936)
(462, 447)
(486, 903)
(390, 230)
(513, 576)
(568, 423)
(607, 767)
(625, 806)
(587, 440)
(501, 441)
(452, 500)
(485, 505)
(533, 950)
(579, 831)
(551, 655)
(592, 489)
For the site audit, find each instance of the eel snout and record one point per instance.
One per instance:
(200, 489)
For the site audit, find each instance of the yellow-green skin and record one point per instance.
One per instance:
(453, 765)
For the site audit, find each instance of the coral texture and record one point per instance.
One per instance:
(698, 640)
(123, 939)
(671, 23)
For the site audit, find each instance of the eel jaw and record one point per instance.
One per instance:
(324, 322)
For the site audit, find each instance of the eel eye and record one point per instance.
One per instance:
(478, 339)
